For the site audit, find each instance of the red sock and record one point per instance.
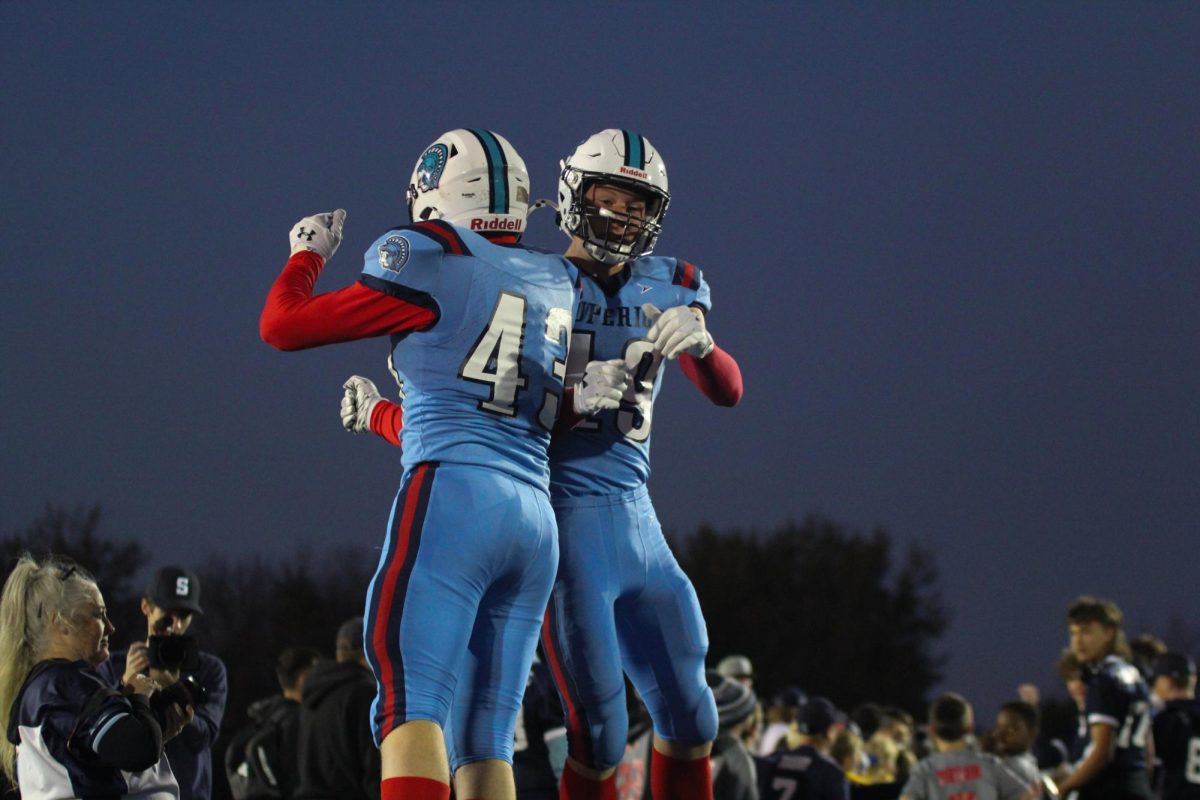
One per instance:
(409, 788)
(675, 779)
(576, 787)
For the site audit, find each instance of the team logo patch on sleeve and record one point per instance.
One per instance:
(429, 169)
(393, 253)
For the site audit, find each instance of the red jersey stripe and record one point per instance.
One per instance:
(380, 643)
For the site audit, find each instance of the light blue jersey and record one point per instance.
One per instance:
(610, 452)
(482, 386)
(454, 609)
(621, 604)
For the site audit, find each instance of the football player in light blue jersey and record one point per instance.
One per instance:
(479, 329)
(620, 601)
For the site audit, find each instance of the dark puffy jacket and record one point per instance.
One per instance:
(338, 757)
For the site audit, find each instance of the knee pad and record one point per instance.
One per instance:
(693, 720)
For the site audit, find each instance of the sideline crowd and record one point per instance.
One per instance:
(82, 721)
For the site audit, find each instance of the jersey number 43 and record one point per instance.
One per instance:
(496, 359)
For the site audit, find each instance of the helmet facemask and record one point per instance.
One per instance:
(609, 235)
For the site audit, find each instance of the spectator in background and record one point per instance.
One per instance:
(69, 733)
(1117, 707)
(846, 751)
(169, 655)
(868, 717)
(1144, 651)
(1049, 746)
(878, 780)
(1070, 671)
(292, 669)
(900, 725)
(882, 752)
(338, 757)
(955, 770)
(1177, 725)
(782, 715)
(733, 771)
(905, 761)
(633, 773)
(1012, 740)
(807, 772)
(752, 731)
(262, 759)
(540, 738)
(737, 667)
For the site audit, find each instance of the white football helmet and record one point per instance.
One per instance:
(471, 178)
(623, 159)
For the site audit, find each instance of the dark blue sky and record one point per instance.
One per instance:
(954, 247)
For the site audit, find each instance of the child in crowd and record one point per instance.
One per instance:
(956, 771)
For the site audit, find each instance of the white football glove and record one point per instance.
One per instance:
(678, 330)
(358, 402)
(321, 233)
(602, 386)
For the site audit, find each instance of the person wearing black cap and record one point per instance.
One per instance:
(1177, 726)
(338, 758)
(807, 772)
(733, 771)
(168, 655)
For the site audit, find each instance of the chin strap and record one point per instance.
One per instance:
(604, 256)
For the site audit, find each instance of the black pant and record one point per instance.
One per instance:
(1112, 784)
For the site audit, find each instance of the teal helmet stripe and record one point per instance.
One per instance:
(635, 150)
(497, 170)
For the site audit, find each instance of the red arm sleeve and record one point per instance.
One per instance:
(295, 319)
(718, 376)
(387, 418)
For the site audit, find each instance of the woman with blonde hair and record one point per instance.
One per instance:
(68, 733)
(882, 750)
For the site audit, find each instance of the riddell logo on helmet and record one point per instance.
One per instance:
(637, 173)
(497, 224)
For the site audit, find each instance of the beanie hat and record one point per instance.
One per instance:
(735, 700)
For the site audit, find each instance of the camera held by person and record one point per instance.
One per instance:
(169, 651)
(187, 675)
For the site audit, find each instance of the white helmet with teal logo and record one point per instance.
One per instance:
(618, 158)
(471, 178)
